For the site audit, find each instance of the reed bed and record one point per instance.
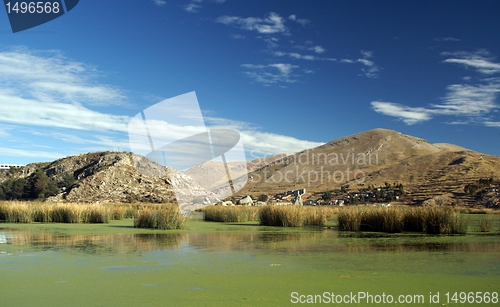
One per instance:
(232, 214)
(431, 220)
(25, 212)
(160, 217)
(294, 216)
(39, 212)
(484, 224)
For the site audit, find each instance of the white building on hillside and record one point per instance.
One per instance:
(9, 166)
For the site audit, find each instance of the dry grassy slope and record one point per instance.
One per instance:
(425, 169)
(367, 151)
(435, 174)
(212, 174)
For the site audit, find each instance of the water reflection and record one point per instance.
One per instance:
(311, 242)
(91, 244)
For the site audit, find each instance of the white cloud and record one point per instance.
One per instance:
(271, 24)
(18, 110)
(29, 153)
(104, 141)
(49, 74)
(192, 7)
(160, 2)
(479, 60)
(370, 70)
(471, 102)
(408, 115)
(47, 89)
(493, 124)
(303, 21)
(272, 42)
(258, 143)
(318, 49)
(270, 144)
(271, 73)
(31, 96)
(299, 56)
(367, 54)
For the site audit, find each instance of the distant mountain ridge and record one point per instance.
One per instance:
(370, 158)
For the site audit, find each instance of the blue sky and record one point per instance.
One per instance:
(288, 75)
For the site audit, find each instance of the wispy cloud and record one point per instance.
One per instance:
(301, 21)
(271, 74)
(18, 110)
(446, 39)
(192, 7)
(196, 5)
(271, 41)
(299, 56)
(238, 36)
(29, 153)
(4, 133)
(160, 2)
(408, 115)
(271, 24)
(480, 60)
(49, 75)
(493, 124)
(47, 89)
(317, 49)
(31, 103)
(370, 69)
(470, 101)
(258, 143)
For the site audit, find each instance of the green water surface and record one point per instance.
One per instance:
(213, 264)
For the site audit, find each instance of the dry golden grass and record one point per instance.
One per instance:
(230, 214)
(37, 212)
(160, 217)
(432, 220)
(295, 216)
(165, 217)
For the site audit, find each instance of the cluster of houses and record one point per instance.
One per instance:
(288, 195)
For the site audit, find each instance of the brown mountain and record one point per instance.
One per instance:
(377, 157)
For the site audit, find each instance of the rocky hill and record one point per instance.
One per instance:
(102, 177)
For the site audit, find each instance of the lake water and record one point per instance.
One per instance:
(236, 265)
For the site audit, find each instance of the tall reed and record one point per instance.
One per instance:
(232, 214)
(432, 220)
(292, 216)
(160, 217)
(484, 224)
(443, 220)
(27, 212)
